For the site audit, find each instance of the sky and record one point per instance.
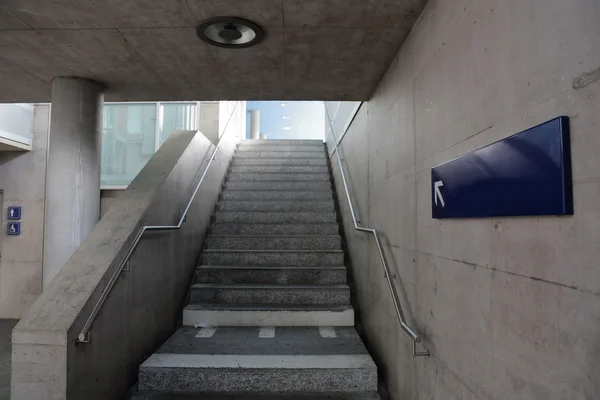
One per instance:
(289, 119)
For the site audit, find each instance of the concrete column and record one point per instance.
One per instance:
(254, 124)
(263, 136)
(73, 169)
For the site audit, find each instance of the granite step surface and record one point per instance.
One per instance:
(278, 275)
(279, 185)
(260, 360)
(280, 169)
(259, 153)
(286, 148)
(274, 242)
(268, 315)
(324, 205)
(239, 161)
(296, 195)
(272, 257)
(254, 396)
(302, 217)
(281, 142)
(238, 228)
(286, 177)
(210, 293)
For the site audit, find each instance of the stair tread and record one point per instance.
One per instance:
(278, 236)
(268, 307)
(257, 396)
(271, 267)
(269, 251)
(269, 286)
(246, 341)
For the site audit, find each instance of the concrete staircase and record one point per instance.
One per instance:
(269, 314)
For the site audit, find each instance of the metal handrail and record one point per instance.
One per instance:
(416, 338)
(84, 336)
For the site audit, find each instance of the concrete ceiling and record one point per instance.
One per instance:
(148, 49)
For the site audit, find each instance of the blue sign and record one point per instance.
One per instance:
(14, 228)
(14, 212)
(526, 174)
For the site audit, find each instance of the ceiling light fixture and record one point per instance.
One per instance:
(286, 128)
(283, 104)
(230, 32)
(285, 117)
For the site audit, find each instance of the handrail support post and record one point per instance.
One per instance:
(423, 353)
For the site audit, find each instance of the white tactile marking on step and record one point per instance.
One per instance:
(267, 332)
(349, 361)
(206, 332)
(327, 332)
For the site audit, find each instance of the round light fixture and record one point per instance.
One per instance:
(230, 32)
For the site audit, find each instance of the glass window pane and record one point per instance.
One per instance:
(128, 141)
(176, 117)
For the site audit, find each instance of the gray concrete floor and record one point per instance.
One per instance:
(6, 326)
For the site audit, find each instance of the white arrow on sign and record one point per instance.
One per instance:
(438, 193)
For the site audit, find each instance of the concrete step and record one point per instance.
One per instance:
(275, 229)
(267, 315)
(277, 205)
(234, 194)
(275, 216)
(286, 177)
(286, 148)
(203, 293)
(255, 396)
(274, 242)
(290, 360)
(238, 161)
(279, 185)
(280, 169)
(280, 142)
(252, 274)
(281, 154)
(273, 257)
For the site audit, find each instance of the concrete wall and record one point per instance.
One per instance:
(23, 180)
(108, 197)
(509, 307)
(209, 120)
(144, 307)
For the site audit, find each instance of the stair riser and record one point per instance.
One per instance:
(276, 195)
(280, 148)
(281, 154)
(270, 205)
(302, 177)
(187, 380)
(274, 229)
(295, 275)
(280, 169)
(240, 161)
(272, 258)
(283, 185)
(265, 295)
(274, 243)
(267, 318)
(278, 217)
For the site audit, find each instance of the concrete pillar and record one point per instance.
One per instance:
(263, 136)
(254, 124)
(73, 169)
